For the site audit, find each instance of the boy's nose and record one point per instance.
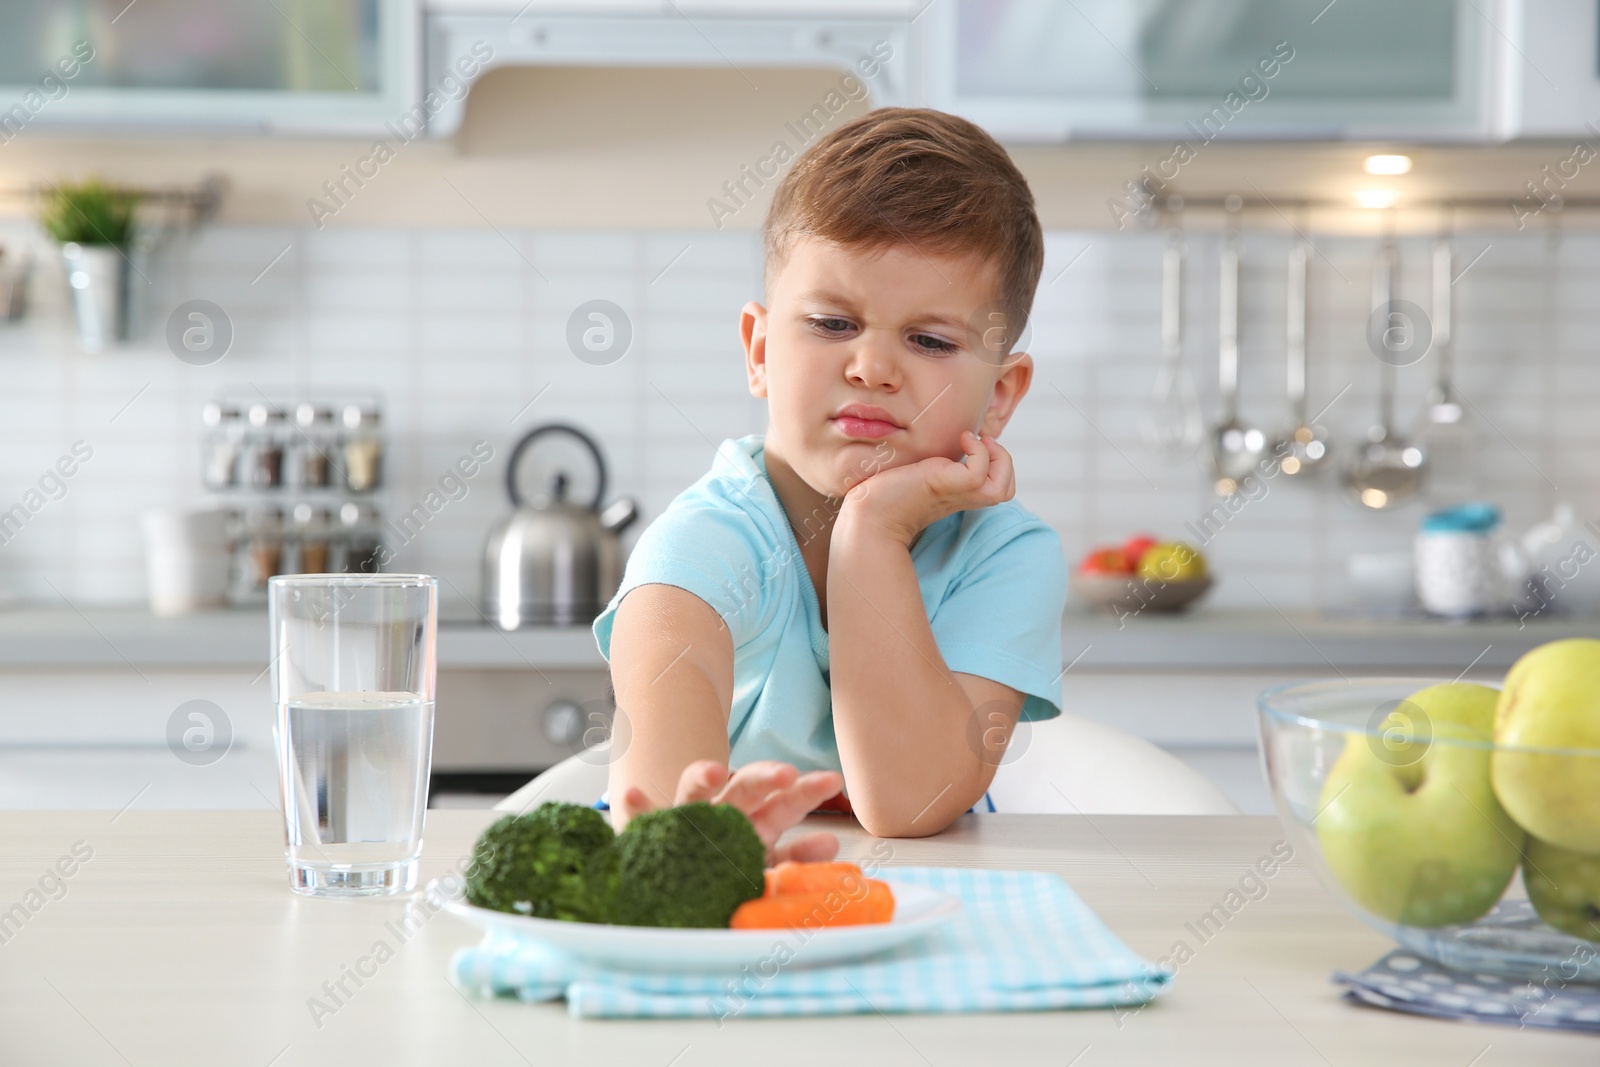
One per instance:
(871, 366)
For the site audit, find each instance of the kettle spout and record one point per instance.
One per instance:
(620, 515)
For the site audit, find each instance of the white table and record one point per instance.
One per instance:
(179, 942)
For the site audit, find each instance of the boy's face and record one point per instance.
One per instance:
(876, 359)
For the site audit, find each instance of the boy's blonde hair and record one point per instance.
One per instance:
(914, 176)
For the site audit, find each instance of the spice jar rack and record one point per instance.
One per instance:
(301, 479)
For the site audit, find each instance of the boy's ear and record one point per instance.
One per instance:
(753, 332)
(1009, 389)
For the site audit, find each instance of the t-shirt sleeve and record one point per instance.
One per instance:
(714, 553)
(1001, 619)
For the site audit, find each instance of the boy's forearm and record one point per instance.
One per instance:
(900, 716)
(649, 751)
(672, 670)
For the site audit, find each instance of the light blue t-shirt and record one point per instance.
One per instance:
(993, 581)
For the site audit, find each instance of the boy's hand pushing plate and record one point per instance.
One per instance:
(774, 796)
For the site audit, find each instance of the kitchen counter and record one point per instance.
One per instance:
(1200, 640)
(123, 636)
(179, 942)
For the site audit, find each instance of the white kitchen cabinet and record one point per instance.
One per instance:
(99, 738)
(284, 66)
(1040, 70)
(107, 737)
(124, 707)
(1554, 89)
(1205, 718)
(1198, 709)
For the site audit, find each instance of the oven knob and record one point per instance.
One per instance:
(563, 724)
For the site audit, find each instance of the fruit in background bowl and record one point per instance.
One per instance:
(1172, 561)
(1409, 824)
(1105, 561)
(1551, 701)
(1135, 547)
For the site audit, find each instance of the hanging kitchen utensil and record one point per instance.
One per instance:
(1173, 424)
(1444, 407)
(1235, 447)
(1388, 470)
(1301, 452)
(554, 561)
(1446, 433)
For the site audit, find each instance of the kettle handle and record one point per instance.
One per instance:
(556, 427)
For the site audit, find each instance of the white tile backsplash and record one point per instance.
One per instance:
(459, 329)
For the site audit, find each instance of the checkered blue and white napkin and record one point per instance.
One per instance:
(1023, 942)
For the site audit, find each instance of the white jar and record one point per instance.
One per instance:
(1458, 566)
(186, 559)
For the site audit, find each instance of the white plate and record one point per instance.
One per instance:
(917, 909)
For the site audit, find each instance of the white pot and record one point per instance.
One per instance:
(187, 559)
(97, 276)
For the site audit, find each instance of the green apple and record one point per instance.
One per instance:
(1552, 700)
(1564, 887)
(1464, 704)
(1173, 561)
(1410, 827)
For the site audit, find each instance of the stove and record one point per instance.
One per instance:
(512, 704)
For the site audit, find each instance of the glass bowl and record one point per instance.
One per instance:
(1409, 837)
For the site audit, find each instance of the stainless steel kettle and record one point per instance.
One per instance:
(556, 562)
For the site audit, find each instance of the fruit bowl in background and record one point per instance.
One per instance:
(1126, 593)
(1394, 811)
(1141, 574)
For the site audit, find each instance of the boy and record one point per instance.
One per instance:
(852, 592)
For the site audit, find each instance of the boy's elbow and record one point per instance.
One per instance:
(889, 823)
(882, 814)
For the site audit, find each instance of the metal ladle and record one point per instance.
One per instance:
(1174, 424)
(1446, 432)
(1303, 451)
(1444, 407)
(1236, 449)
(1388, 470)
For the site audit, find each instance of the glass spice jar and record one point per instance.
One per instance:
(221, 446)
(312, 529)
(361, 544)
(264, 545)
(265, 447)
(313, 447)
(362, 448)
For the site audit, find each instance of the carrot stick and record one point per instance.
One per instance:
(794, 877)
(816, 909)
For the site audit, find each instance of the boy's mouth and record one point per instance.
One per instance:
(864, 420)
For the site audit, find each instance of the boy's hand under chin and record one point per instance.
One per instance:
(902, 501)
(775, 796)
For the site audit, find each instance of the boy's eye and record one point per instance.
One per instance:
(831, 324)
(931, 343)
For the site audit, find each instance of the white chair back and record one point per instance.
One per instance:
(1077, 766)
(1067, 765)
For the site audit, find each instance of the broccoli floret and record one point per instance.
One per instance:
(556, 862)
(688, 866)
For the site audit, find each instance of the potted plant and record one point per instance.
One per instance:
(94, 223)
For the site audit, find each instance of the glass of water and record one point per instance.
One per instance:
(353, 670)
